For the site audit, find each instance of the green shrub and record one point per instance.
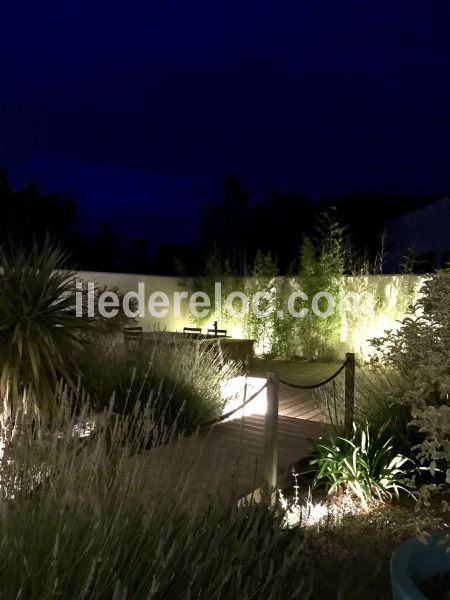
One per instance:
(420, 351)
(366, 465)
(92, 519)
(181, 382)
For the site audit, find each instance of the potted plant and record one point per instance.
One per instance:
(415, 563)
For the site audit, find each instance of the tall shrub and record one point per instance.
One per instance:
(322, 264)
(420, 351)
(284, 326)
(270, 325)
(217, 269)
(263, 280)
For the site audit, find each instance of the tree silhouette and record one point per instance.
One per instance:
(136, 257)
(225, 225)
(105, 249)
(29, 216)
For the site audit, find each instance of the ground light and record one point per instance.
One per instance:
(236, 389)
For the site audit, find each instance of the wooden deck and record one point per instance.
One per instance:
(240, 445)
(228, 457)
(227, 460)
(296, 403)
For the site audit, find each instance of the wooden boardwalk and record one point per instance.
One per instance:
(240, 446)
(296, 403)
(229, 457)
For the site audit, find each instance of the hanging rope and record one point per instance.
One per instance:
(315, 385)
(235, 410)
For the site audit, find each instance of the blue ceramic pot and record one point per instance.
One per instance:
(412, 563)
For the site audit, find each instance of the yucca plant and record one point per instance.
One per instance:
(39, 332)
(366, 465)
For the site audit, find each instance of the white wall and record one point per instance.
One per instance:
(153, 283)
(357, 326)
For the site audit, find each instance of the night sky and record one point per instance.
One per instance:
(147, 104)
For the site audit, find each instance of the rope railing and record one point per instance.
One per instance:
(271, 418)
(315, 385)
(230, 413)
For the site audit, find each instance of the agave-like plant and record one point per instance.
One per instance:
(39, 331)
(366, 465)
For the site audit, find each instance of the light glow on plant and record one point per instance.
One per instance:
(314, 514)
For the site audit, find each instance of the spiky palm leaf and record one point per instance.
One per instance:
(39, 332)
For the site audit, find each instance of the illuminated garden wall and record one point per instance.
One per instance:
(391, 294)
(372, 305)
(152, 283)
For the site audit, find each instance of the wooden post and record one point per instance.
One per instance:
(349, 405)
(270, 439)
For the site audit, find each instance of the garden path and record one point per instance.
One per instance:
(227, 458)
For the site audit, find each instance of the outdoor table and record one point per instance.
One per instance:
(235, 349)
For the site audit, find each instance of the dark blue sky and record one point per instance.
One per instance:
(148, 104)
